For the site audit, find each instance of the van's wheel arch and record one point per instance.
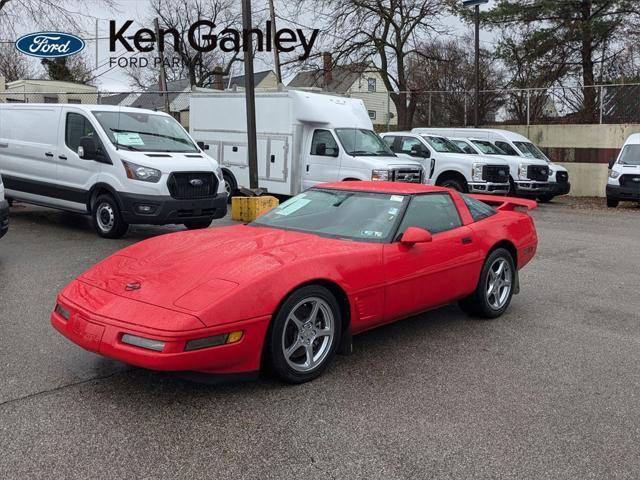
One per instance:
(351, 180)
(107, 216)
(230, 184)
(453, 180)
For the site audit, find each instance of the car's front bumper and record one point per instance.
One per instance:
(532, 188)
(167, 210)
(559, 188)
(4, 218)
(623, 193)
(102, 334)
(488, 187)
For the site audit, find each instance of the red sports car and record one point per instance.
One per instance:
(287, 291)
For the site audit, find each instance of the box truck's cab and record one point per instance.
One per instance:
(449, 166)
(624, 174)
(4, 211)
(120, 165)
(303, 139)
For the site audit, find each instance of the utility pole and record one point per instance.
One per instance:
(250, 95)
(163, 77)
(476, 108)
(276, 53)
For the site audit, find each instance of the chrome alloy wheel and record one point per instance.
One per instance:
(308, 334)
(105, 217)
(499, 283)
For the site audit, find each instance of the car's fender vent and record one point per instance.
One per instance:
(158, 155)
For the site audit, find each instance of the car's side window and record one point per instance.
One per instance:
(508, 149)
(77, 127)
(434, 212)
(407, 144)
(324, 144)
(478, 209)
(389, 141)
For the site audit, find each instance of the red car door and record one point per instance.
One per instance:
(428, 275)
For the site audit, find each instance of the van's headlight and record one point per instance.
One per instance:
(523, 171)
(477, 171)
(144, 174)
(380, 175)
(614, 174)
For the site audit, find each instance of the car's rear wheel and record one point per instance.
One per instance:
(107, 219)
(495, 288)
(455, 184)
(612, 202)
(304, 335)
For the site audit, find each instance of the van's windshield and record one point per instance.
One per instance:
(359, 142)
(145, 132)
(488, 148)
(630, 155)
(442, 145)
(529, 150)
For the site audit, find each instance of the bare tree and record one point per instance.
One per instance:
(68, 69)
(13, 65)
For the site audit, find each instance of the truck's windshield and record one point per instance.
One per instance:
(361, 216)
(529, 150)
(465, 147)
(630, 155)
(145, 132)
(442, 145)
(359, 142)
(488, 148)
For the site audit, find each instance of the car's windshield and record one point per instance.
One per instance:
(465, 147)
(529, 150)
(630, 155)
(145, 132)
(361, 216)
(363, 143)
(488, 148)
(442, 145)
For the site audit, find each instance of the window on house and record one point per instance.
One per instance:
(372, 114)
(371, 84)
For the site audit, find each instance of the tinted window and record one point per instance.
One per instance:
(434, 212)
(465, 147)
(478, 209)
(77, 127)
(508, 149)
(407, 143)
(389, 141)
(488, 148)
(323, 144)
(442, 145)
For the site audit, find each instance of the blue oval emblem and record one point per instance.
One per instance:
(49, 44)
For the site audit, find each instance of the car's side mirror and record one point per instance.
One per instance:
(612, 162)
(419, 151)
(321, 149)
(88, 150)
(415, 235)
(203, 146)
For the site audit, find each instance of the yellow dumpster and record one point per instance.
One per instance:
(247, 209)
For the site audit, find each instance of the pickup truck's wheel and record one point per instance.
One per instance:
(198, 225)
(495, 288)
(304, 335)
(107, 219)
(546, 198)
(454, 184)
(612, 202)
(230, 185)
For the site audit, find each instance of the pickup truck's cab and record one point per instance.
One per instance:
(4, 212)
(449, 166)
(120, 165)
(624, 175)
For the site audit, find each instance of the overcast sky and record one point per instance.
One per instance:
(114, 79)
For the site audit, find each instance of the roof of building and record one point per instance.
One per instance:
(155, 101)
(238, 81)
(343, 77)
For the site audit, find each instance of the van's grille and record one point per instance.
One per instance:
(407, 175)
(192, 185)
(538, 173)
(562, 177)
(630, 181)
(496, 173)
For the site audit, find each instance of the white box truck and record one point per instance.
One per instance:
(303, 139)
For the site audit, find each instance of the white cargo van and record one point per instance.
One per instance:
(4, 212)
(449, 166)
(120, 165)
(624, 175)
(303, 139)
(515, 145)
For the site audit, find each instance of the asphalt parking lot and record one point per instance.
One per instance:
(550, 390)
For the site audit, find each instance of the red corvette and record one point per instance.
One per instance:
(287, 291)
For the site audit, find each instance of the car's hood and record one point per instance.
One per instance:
(169, 162)
(466, 157)
(388, 162)
(163, 271)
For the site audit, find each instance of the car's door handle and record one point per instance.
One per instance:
(307, 168)
(467, 240)
(62, 157)
(48, 154)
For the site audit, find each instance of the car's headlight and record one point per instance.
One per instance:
(144, 174)
(380, 175)
(614, 174)
(523, 171)
(477, 171)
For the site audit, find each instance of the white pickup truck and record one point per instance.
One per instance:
(303, 139)
(449, 166)
(4, 212)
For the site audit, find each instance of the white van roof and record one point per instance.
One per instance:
(84, 107)
(474, 132)
(634, 139)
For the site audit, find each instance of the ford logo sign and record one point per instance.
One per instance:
(49, 44)
(196, 182)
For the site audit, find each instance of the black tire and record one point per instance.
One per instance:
(455, 184)
(546, 198)
(198, 225)
(512, 188)
(107, 219)
(478, 304)
(282, 334)
(231, 186)
(612, 202)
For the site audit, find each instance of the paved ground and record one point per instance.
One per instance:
(551, 390)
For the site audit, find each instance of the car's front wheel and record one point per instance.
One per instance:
(495, 288)
(304, 335)
(612, 202)
(546, 198)
(198, 225)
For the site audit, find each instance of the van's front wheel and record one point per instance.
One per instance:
(107, 219)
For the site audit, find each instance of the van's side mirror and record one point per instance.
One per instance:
(612, 162)
(321, 149)
(415, 235)
(88, 150)
(203, 146)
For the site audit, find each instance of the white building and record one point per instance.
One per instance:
(46, 91)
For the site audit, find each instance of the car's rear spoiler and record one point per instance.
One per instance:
(506, 203)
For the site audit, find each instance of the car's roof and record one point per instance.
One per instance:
(383, 187)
